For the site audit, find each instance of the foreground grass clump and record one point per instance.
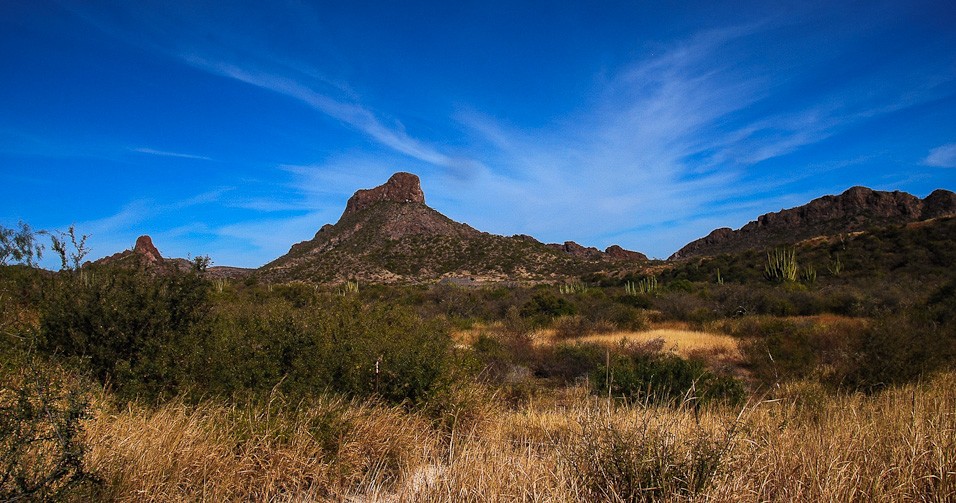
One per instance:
(899, 445)
(806, 445)
(264, 452)
(42, 409)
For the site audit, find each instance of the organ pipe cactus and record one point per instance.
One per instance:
(781, 266)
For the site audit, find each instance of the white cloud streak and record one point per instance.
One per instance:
(670, 142)
(165, 153)
(352, 114)
(943, 156)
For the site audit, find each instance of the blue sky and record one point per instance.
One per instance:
(237, 130)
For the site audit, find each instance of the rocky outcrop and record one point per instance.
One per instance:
(400, 188)
(576, 250)
(143, 250)
(615, 252)
(940, 203)
(857, 209)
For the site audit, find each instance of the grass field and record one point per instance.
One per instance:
(805, 445)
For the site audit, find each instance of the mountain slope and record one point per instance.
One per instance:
(857, 209)
(389, 234)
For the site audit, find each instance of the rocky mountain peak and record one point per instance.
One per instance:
(400, 188)
(388, 234)
(144, 248)
(613, 252)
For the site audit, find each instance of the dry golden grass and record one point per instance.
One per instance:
(808, 445)
(213, 452)
(677, 337)
(682, 342)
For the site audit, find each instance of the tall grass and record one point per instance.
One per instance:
(806, 445)
(264, 452)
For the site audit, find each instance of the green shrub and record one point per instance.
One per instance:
(777, 349)
(494, 358)
(570, 327)
(544, 307)
(895, 348)
(898, 349)
(134, 329)
(606, 314)
(20, 246)
(641, 301)
(653, 377)
(569, 362)
(684, 306)
(298, 294)
(339, 345)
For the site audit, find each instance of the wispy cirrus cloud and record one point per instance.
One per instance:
(673, 141)
(166, 153)
(242, 53)
(351, 114)
(943, 156)
(638, 155)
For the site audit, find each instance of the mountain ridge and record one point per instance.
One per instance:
(389, 234)
(856, 209)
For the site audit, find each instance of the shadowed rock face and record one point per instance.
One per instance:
(576, 250)
(941, 203)
(400, 188)
(856, 209)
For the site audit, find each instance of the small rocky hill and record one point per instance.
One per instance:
(388, 234)
(857, 209)
(145, 253)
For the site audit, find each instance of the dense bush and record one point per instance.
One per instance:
(605, 313)
(133, 328)
(544, 307)
(654, 377)
(900, 348)
(569, 362)
(777, 349)
(153, 335)
(339, 345)
(893, 348)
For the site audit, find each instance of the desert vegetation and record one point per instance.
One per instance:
(708, 380)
